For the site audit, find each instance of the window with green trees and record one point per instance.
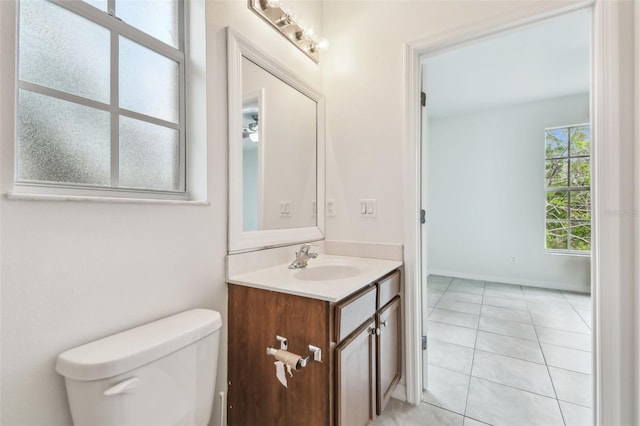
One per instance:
(568, 188)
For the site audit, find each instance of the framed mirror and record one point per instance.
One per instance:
(276, 152)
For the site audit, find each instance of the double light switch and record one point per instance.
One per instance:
(368, 207)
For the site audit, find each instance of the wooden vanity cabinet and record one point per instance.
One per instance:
(388, 352)
(356, 377)
(360, 338)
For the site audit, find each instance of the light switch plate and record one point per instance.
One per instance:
(368, 207)
(331, 208)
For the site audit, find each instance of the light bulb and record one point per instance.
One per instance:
(321, 44)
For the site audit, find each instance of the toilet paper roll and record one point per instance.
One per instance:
(289, 359)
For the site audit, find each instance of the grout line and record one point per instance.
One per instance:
(516, 388)
(473, 359)
(553, 386)
(445, 409)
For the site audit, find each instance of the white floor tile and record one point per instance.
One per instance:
(505, 314)
(452, 334)
(494, 292)
(572, 386)
(468, 421)
(446, 389)
(515, 347)
(439, 279)
(505, 302)
(468, 308)
(462, 297)
(455, 318)
(502, 405)
(433, 297)
(467, 286)
(517, 373)
(567, 322)
(577, 297)
(575, 415)
(447, 355)
(508, 328)
(499, 374)
(585, 315)
(569, 359)
(508, 288)
(564, 338)
(399, 413)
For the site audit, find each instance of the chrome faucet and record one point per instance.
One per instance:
(303, 256)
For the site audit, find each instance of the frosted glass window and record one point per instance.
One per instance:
(158, 18)
(61, 141)
(149, 156)
(63, 51)
(149, 82)
(70, 130)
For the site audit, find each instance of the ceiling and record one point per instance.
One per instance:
(544, 60)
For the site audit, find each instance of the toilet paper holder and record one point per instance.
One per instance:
(314, 353)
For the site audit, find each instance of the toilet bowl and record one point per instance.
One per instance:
(161, 373)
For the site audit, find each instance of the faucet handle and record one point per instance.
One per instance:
(306, 246)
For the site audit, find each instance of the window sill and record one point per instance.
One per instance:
(98, 199)
(568, 253)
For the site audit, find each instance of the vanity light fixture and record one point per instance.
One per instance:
(290, 26)
(251, 131)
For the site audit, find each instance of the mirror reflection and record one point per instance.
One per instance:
(279, 139)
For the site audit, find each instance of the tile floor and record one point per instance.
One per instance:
(503, 354)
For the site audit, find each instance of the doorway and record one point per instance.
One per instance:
(515, 258)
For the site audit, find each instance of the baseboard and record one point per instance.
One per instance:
(511, 280)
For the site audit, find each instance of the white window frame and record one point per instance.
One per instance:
(568, 190)
(49, 190)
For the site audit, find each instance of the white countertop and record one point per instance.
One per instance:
(327, 277)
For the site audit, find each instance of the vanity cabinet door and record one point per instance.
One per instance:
(355, 377)
(389, 352)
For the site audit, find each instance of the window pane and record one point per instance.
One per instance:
(580, 172)
(557, 205)
(556, 143)
(580, 236)
(60, 141)
(581, 140)
(61, 50)
(149, 156)
(556, 173)
(158, 18)
(149, 82)
(557, 235)
(581, 205)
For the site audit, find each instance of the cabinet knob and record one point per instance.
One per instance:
(385, 323)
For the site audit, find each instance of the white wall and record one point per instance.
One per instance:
(365, 85)
(486, 199)
(76, 271)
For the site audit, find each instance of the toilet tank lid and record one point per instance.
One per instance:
(133, 348)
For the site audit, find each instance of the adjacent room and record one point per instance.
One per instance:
(507, 149)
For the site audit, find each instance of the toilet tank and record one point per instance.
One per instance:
(161, 373)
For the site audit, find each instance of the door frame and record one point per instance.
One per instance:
(616, 345)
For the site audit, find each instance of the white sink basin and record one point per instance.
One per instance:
(328, 277)
(327, 272)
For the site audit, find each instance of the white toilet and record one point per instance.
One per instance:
(161, 373)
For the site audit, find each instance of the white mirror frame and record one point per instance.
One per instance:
(240, 241)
